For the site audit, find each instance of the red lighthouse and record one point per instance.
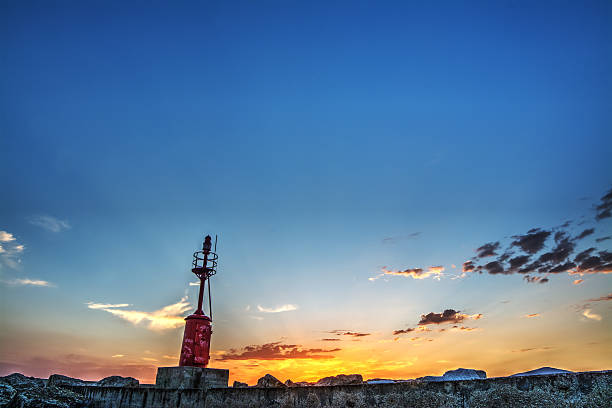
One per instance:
(195, 351)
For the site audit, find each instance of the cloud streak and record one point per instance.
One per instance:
(29, 282)
(276, 351)
(415, 273)
(167, 318)
(49, 223)
(278, 309)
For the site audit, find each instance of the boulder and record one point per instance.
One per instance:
(238, 384)
(58, 380)
(340, 379)
(118, 381)
(464, 374)
(17, 381)
(457, 375)
(290, 383)
(17, 390)
(542, 371)
(380, 381)
(269, 381)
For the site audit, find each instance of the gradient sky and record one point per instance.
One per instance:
(336, 148)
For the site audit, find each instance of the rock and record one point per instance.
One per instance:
(17, 381)
(380, 381)
(238, 384)
(48, 397)
(542, 371)
(269, 381)
(58, 380)
(464, 374)
(289, 383)
(340, 379)
(6, 393)
(459, 374)
(118, 381)
(30, 392)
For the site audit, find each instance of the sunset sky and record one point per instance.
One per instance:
(399, 188)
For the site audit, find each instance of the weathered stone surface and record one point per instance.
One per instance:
(459, 374)
(191, 377)
(118, 381)
(573, 390)
(238, 384)
(269, 381)
(340, 379)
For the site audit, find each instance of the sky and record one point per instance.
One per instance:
(398, 188)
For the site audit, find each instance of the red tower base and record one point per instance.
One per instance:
(196, 341)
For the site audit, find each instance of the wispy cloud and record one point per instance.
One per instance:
(525, 350)
(278, 309)
(397, 238)
(602, 298)
(6, 236)
(590, 315)
(194, 283)
(49, 223)
(276, 351)
(92, 305)
(10, 250)
(168, 317)
(28, 282)
(578, 281)
(118, 355)
(532, 315)
(414, 273)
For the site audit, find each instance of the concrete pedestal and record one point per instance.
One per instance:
(191, 377)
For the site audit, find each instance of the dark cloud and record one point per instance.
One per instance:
(601, 263)
(532, 242)
(468, 266)
(583, 255)
(604, 209)
(585, 233)
(403, 331)
(505, 256)
(334, 339)
(602, 239)
(448, 316)
(518, 261)
(348, 333)
(495, 267)
(487, 250)
(276, 351)
(353, 334)
(562, 268)
(535, 279)
(559, 254)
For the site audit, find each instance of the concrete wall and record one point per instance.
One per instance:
(582, 390)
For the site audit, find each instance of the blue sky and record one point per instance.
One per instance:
(304, 134)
